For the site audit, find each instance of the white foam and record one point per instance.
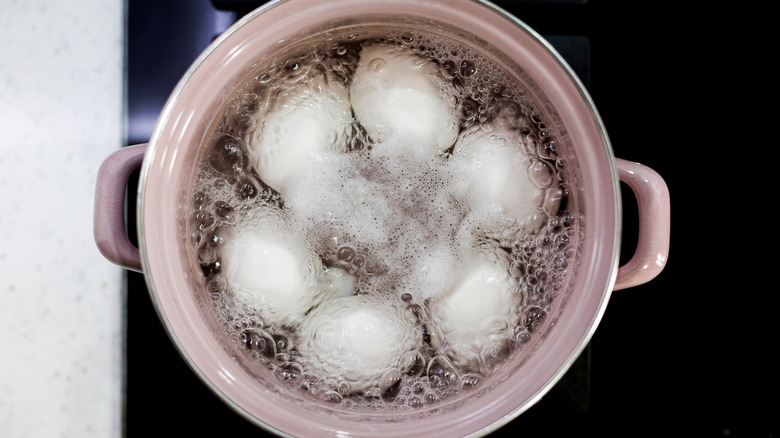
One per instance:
(334, 196)
(357, 339)
(495, 174)
(474, 317)
(433, 270)
(270, 269)
(306, 119)
(393, 93)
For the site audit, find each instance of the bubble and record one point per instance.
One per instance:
(390, 379)
(224, 211)
(541, 173)
(203, 219)
(291, 371)
(441, 372)
(199, 199)
(547, 150)
(552, 200)
(359, 261)
(260, 342)
(449, 69)
(467, 68)
(227, 155)
(412, 362)
(532, 317)
(377, 65)
(246, 189)
(331, 397)
(469, 380)
(469, 108)
(345, 253)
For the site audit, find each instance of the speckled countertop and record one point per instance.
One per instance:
(60, 306)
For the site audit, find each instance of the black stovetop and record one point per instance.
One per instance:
(650, 370)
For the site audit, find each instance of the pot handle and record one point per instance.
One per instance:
(652, 248)
(109, 216)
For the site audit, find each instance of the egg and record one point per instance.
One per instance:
(494, 175)
(358, 339)
(473, 319)
(271, 270)
(338, 282)
(394, 94)
(306, 120)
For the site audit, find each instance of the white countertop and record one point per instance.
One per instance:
(60, 306)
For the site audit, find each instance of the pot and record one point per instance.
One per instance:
(169, 162)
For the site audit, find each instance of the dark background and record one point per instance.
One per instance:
(688, 354)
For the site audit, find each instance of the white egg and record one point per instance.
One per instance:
(271, 270)
(305, 120)
(394, 94)
(357, 339)
(339, 283)
(474, 317)
(495, 175)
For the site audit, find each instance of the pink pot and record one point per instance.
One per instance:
(168, 164)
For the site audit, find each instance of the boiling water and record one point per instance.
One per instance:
(382, 221)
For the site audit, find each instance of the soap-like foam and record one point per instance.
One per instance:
(396, 210)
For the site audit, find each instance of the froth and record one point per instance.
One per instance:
(397, 212)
